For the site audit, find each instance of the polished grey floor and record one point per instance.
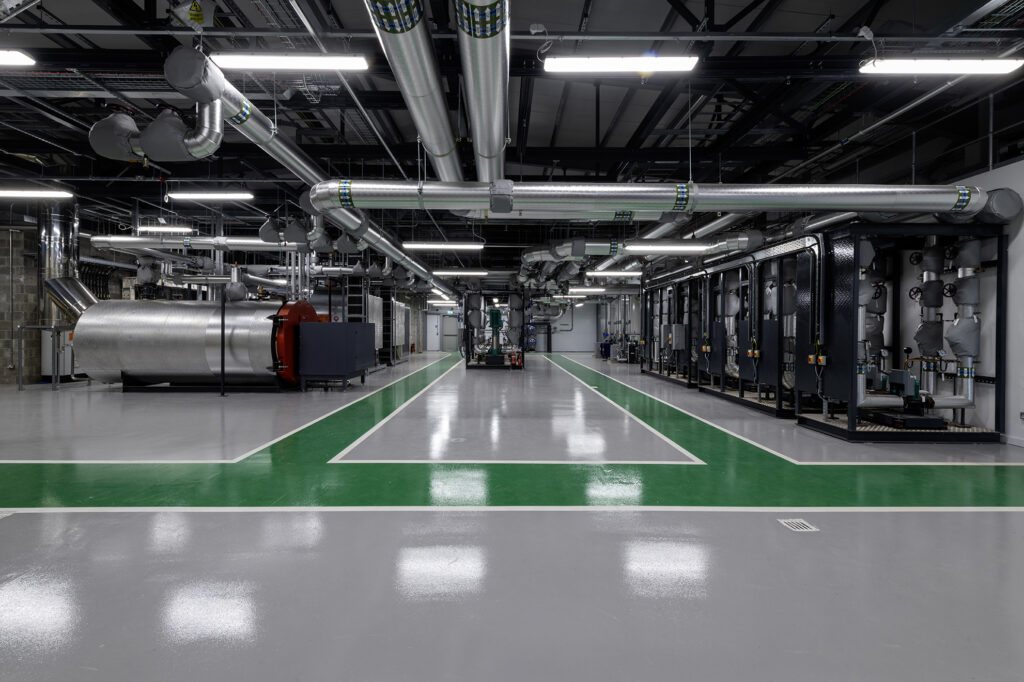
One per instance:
(510, 595)
(541, 414)
(100, 423)
(795, 442)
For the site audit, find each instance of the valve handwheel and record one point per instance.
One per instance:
(915, 294)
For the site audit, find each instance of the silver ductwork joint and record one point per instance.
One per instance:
(167, 139)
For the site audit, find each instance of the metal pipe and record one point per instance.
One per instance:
(406, 43)
(483, 28)
(70, 295)
(688, 197)
(10, 293)
(111, 241)
(192, 74)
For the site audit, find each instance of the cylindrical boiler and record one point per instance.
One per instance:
(179, 341)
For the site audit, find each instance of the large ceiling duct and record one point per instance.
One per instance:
(191, 73)
(484, 48)
(689, 197)
(406, 43)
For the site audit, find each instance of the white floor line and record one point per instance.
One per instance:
(779, 454)
(693, 458)
(385, 420)
(223, 461)
(587, 462)
(447, 509)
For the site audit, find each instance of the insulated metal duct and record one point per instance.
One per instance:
(166, 139)
(191, 73)
(687, 197)
(406, 43)
(104, 241)
(483, 27)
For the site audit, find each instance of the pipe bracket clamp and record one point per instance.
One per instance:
(963, 198)
(501, 196)
(345, 193)
(682, 197)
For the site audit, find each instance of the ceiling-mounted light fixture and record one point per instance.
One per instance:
(460, 273)
(440, 302)
(652, 246)
(34, 194)
(165, 229)
(612, 273)
(941, 67)
(240, 61)
(211, 196)
(442, 246)
(618, 64)
(15, 58)
(586, 290)
(441, 294)
(569, 296)
(580, 305)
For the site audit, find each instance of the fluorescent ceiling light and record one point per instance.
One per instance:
(651, 246)
(569, 296)
(236, 61)
(211, 196)
(34, 194)
(165, 229)
(586, 290)
(924, 67)
(612, 273)
(495, 299)
(442, 246)
(579, 305)
(460, 273)
(15, 58)
(441, 294)
(618, 64)
(440, 302)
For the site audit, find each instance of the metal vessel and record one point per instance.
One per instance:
(180, 341)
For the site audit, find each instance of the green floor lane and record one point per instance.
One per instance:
(295, 471)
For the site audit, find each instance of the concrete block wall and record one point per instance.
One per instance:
(25, 305)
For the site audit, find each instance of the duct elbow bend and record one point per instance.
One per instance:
(327, 195)
(191, 73)
(205, 138)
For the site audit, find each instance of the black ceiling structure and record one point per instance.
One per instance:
(776, 96)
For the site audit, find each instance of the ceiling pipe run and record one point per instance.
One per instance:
(688, 197)
(483, 28)
(192, 74)
(407, 45)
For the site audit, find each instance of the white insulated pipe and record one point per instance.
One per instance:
(689, 197)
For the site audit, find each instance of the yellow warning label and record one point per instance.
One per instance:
(195, 12)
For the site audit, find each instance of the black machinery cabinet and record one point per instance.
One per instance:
(333, 351)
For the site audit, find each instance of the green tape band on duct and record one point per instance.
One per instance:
(345, 193)
(481, 21)
(243, 114)
(963, 197)
(397, 16)
(682, 197)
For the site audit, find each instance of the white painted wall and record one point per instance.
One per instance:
(583, 333)
(1012, 176)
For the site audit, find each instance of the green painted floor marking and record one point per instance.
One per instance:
(294, 471)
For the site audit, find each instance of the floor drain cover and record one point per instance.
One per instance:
(798, 525)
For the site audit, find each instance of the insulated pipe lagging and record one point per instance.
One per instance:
(530, 196)
(166, 139)
(483, 27)
(406, 43)
(191, 73)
